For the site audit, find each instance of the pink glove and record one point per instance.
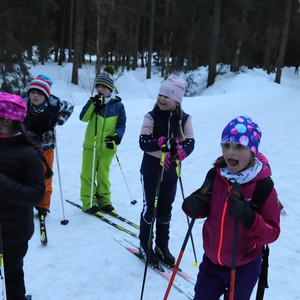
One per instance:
(181, 154)
(167, 161)
(161, 141)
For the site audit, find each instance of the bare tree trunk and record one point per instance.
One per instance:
(283, 42)
(62, 37)
(136, 41)
(150, 44)
(81, 54)
(165, 41)
(214, 43)
(98, 38)
(235, 66)
(70, 56)
(76, 56)
(143, 59)
(102, 39)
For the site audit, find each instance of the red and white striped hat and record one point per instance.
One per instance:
(41, 83)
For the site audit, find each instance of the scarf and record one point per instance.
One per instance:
(244, 176)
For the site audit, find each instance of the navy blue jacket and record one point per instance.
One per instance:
(164, 123)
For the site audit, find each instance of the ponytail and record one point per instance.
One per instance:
(33, 143)
(180, 133)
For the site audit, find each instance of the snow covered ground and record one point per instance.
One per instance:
(83, 261)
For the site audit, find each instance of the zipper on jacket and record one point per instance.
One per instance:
(102, 131)
(169, 124)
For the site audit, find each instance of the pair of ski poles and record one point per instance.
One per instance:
(190, 226)
(233, 262)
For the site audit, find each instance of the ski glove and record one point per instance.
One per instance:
(168, 144)
(175, 151)
(239, 208)
(97, 100)
(111, 141)
(197, 204)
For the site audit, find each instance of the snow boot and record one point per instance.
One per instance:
(94, 209)
(153, 259)
(163, 253)
(108, 209)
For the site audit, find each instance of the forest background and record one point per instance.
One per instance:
(175, 35)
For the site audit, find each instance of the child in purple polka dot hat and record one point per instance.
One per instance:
(240, 204)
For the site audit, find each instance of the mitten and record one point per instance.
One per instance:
(111, 141)
(97, 100)
(197, 204)
(239, 208)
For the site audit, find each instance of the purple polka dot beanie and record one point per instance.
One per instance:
(244, 131)
(173, 87)
(12, 107)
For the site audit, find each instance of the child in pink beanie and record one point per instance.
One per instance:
(167, 128)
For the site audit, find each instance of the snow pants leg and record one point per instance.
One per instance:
(49, 155)
(163, 214)
(101, 184)
(213, 280)
(13, 268)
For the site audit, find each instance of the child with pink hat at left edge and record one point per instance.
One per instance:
(22, 186)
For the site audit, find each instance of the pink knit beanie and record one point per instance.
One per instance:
(173, 87)
(12, 107)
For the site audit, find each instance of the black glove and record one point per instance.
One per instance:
(197, 204)
(111, 141)
(97, 100)
(239, 208)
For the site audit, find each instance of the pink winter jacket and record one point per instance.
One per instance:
(219, 226)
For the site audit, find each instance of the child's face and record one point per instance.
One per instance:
(36, 97)
(166, 103)
(237, 156)
(103, 90)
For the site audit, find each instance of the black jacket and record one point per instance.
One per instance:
(22, 186)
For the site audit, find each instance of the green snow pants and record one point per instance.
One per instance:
(101, 185)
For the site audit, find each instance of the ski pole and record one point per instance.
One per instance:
(2, 274)
(179, 257)
(93, 170)
(263, 278)
(94, 156)
(178, 171)
(133, 201)
(64, 221)
(233, 264)
(160, 178)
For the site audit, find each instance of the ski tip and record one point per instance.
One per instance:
(195, 264)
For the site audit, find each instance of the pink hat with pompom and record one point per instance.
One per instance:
(173, 87)
(12, 107)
